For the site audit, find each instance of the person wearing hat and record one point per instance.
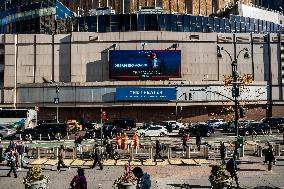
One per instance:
(79, 181)
(97, 157)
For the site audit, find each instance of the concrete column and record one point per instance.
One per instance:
(187, 152)
(259, 151)
(169, 152)
(206, 152)
(131, 154)
(37, 152)
(55, 153)
(242, 152)
(277, 150)
(151, 153)
(74, 153)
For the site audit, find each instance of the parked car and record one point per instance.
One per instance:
(216, 123)
(108, 130)
(281, 128)
(74, 126)
(184, 130)
(46, 130)
(273, 122)
(175, 125)
(202, 129)
(255, 127)
(242, 124)
(125, 124)
(86, 124)
(5, 131)
(155, 130)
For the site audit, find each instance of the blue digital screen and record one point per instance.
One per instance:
(145, 94)
(144, 64)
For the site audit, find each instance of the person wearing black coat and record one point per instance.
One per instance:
(270, 157)
(97, 157)
(158, 148)
(222, 152)
(198, 141)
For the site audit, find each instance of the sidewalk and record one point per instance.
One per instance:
(252, 175)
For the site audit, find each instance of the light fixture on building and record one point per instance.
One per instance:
(143, 45)
(219, 54)
(175, 45)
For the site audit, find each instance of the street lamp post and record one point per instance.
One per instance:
(177, 99)
(235, 87)
(57, 102)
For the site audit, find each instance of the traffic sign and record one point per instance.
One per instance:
(56, 101)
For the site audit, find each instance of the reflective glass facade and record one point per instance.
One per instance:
(176, 23)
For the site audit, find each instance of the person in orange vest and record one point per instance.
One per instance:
(135, 140)
(124, 142)
(118, 141)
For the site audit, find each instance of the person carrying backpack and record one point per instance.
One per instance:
(231, 167)
(79, 181)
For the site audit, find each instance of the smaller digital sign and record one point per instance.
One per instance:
(145, 94)
(144, 64)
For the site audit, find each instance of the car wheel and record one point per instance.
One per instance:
(208, 134)
(58, 136)
(162, 134)
(27, 136)
(116, 156)
(142, 135)
(246, 133)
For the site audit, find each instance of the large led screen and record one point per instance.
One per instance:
(145, 64)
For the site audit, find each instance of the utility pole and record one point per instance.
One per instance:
(235, 88)
(56, 101)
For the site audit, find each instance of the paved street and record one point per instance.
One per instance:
(253, 174)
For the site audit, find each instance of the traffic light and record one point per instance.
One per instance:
(104, 115)
(242, 112)
(235, 92)
(189, 96)
(57, 89)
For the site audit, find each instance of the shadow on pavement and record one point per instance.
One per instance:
(188, 186)
(248, 162)
(265, 187)
(251, 170)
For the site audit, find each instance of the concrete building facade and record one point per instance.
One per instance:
(79, 64)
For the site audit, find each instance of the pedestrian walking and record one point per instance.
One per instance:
(109, 149)
(61, 156)
(78, 141)
(21, 151)
(231, 167)
(11, 145)
(158, 148)
(79, 181)
(12, 163)
(270, 157)
(143, 179)
(222, 152)
(184, 140)
(97, 157)
(198, 141)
